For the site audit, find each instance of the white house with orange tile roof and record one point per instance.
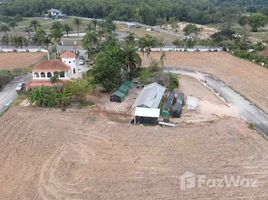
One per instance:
(66, 69)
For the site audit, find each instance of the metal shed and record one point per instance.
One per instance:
(150, 96)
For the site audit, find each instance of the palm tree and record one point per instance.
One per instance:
(56, 35)
(91, 43)
(56, 25)
(130, 39)
(56, 32)
(67, 28)
(28, 31)
(34, 24)
(77, 22)
(47, 41)
(40, 37)
(131, 59)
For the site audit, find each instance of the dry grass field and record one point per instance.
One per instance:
(78, 154)
(247, 78)
(11, 61)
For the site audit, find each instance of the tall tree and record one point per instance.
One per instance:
(35, 24)
(56, 32)
(77, 22)
(40, 37)
(107, 68)
(146, 43)
(91, 42)
(28, 31)
(67, 28)
(257, 21)
(131, 59)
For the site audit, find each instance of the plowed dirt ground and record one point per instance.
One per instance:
(80, 154)
(11, 61)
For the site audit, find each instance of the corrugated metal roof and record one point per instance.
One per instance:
(150, 96)
(147, 112)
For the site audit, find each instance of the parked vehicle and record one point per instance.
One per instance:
(21, 87)
(81, 60)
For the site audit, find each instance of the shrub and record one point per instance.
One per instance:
(78, 89)
(5, 78)
(145, 76)
(173, 82)
(49, 97)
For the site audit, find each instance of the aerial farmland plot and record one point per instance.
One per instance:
(79, 154)
(12, 61)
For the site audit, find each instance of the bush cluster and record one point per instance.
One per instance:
(5, 77)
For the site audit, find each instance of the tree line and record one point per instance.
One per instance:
(148, 12)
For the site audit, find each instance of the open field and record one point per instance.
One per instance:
(47, 23)
(11, 61)
(79, 154)
(140, 32)
(247, 78)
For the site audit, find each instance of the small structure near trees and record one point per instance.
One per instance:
(123, 91)
(147, 104)
(168, 105)
(177, 108)
(146, 115)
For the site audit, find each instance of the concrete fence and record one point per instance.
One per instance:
(22, 50)
(196, 49)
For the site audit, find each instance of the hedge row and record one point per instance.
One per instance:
(252, 57)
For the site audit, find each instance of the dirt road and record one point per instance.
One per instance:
(48, 154)
(246, 110)
(247, 78)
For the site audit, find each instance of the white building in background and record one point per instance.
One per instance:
(55, 13)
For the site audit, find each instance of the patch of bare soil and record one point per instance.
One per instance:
(205, 32)
(247, 78)
(78, 154)
(210, 106)
(11, 61)
(102, 101)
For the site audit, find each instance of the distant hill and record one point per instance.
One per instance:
(144, 11)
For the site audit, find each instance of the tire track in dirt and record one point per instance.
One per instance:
(51, 186)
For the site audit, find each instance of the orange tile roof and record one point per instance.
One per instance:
(68, 54)
(51, 66)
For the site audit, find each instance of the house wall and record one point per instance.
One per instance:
(71, 62)
(38, 75)
(146, 120)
